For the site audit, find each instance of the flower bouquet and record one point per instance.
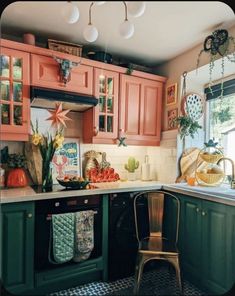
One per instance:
(47, 146)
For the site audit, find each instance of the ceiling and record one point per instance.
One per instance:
(165, 30)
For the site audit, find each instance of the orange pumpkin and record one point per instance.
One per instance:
(17, 178)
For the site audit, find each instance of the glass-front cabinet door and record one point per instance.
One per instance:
(106, 112)
(14, 90)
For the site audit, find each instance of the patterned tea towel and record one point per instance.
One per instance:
(84, 235)
(62, 237)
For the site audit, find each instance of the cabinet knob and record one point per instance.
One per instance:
(203, 213)
(30, 215)
(197, 210)
(96, 130)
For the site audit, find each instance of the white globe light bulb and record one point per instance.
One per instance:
(99, 3)
(126, 29)
(136, 9)
(70, 13)
(90, 33)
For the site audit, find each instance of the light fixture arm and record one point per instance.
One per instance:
(92, 3)
(124, 2)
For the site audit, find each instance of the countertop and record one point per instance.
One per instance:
(222, 194)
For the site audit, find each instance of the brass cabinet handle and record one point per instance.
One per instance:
(30, 215)
(203, 213)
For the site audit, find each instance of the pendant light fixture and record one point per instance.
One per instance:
(90, 32)
(126, 29)
(135, 8)
(70, 12)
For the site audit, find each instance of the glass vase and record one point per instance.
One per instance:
(47, 182)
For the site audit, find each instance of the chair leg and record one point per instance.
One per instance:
(175, 263)
(138, 273)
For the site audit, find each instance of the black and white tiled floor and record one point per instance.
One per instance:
(155, 282)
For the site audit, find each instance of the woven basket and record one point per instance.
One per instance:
(210, 178)
(211, 158)
(65, 47)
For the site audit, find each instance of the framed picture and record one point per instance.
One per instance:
(67, 160)
(171, 94)
(171, 116)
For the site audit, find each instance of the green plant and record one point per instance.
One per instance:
(130, 69)
(187, 126)
(16, 161)
(218, 44)
(132, 165)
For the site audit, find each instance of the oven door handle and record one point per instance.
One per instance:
(49, 216)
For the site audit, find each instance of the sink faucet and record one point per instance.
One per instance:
(233, 169)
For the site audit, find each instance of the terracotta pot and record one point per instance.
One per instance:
(29, 39)
(17, 178)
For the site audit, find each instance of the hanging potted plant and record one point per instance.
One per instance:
(218, 45)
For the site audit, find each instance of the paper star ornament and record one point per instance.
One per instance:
(58, 116)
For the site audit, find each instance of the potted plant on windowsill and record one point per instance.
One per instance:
(16, 176)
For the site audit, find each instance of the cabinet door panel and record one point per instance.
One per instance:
(130, 106)
(46, 73)
(231, 242)
(14, 78)
(151, 110)
(215, 246)
(106, 112)
(18, 246)
(140, 110)
(191, 247)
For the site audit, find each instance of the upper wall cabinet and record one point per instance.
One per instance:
(15, 105)
(101, 122)
(45, 72)
(140, 110)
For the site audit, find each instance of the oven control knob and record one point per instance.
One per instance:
(85, 201)
(57, 204)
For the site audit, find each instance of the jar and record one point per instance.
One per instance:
(2, 177)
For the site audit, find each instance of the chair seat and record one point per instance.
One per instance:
(158, 245)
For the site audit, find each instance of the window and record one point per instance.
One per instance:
(221, 118)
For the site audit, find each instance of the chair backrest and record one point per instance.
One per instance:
(156, 206)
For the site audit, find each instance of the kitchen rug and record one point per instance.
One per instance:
(155, 282)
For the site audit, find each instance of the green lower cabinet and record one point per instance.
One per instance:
(190, 236)
(17, 243)
(207, 243)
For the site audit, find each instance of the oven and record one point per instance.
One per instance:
(44, 211)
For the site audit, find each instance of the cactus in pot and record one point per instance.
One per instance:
(131, 166)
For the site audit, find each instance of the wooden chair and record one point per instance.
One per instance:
(155, 246)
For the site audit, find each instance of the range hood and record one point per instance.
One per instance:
(46, 98)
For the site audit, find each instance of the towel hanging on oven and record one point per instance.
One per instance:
(84, 235)
(62, 238)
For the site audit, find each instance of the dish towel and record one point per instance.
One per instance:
(62, 238)
(84, 235)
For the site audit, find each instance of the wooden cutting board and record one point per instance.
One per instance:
(188, 163)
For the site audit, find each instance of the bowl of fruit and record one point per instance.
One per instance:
(74, 182)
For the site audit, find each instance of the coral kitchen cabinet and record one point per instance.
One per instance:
(101, 123)
(140, 110)
(15, 102)
(46, 73)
